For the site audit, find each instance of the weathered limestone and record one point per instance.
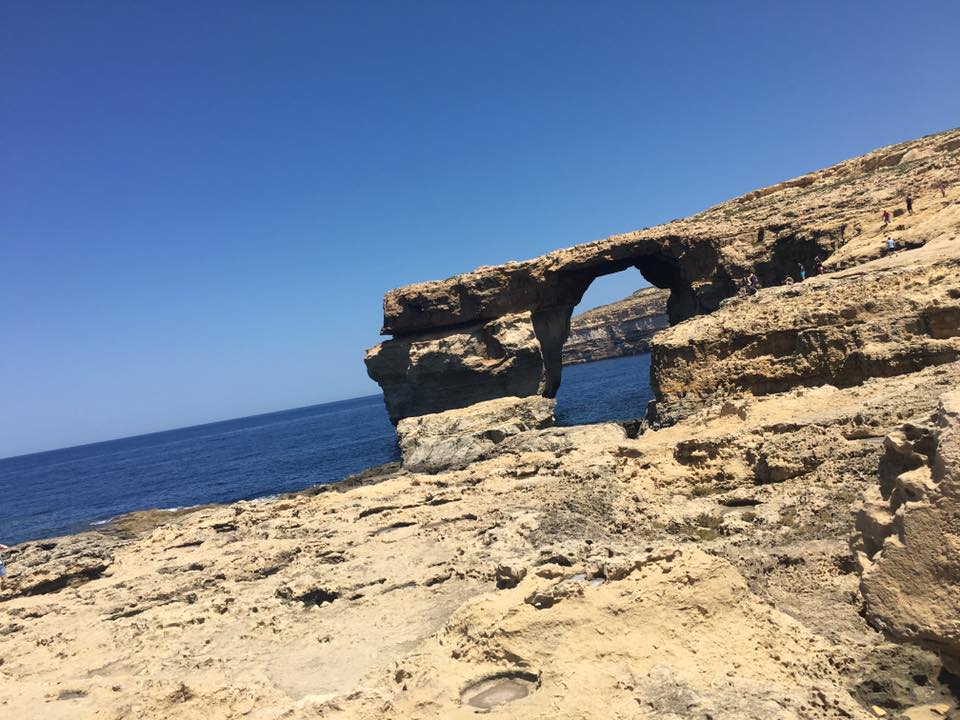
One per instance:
(500, 358)
(837, 329)
(453, 439)
(446, 350)
(618, 329)
(909, 542)
(663, 573)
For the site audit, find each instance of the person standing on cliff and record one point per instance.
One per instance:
(3, 568)
(909, 201)
(886, 218)
(802, 270)
(943, 188)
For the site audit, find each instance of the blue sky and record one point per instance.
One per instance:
(202, 204)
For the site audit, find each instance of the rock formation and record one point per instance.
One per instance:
(499, 331)
(909, 547)
(840, 328)
(618, 329)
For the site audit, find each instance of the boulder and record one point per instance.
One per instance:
(453, 439)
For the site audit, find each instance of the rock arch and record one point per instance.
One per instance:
(499, 331)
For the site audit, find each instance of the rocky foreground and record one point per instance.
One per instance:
(781, 541)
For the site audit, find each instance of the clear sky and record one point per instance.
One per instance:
(202, 203)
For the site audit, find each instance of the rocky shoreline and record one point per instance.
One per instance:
(781, 540)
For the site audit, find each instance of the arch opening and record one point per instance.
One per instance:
(605, 355)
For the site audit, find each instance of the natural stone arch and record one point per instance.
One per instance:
(500, 331)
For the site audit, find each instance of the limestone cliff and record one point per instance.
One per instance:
(447, 350)
(618, 329)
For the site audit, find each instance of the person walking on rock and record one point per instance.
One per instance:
(943, 188)
(802, 270)
(886, 218)
(3, 568)
(909, 201)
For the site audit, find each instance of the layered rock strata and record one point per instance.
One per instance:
(618, 329)
(446, 350)
(909, 547)
(886, 317)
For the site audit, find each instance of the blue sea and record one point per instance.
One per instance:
(63, 491)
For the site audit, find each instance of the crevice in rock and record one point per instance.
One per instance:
(67, 580)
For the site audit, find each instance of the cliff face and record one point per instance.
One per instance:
(887, 317)
(446, 353)
(618, 329)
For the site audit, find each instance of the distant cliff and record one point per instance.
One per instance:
(618, 329)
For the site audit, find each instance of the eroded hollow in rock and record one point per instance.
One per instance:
(499, 689)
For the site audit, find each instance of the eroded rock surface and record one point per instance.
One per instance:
(886, 317)
(909, 547)
(698, 570)
(618, 329)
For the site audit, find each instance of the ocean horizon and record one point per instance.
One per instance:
(82, 487)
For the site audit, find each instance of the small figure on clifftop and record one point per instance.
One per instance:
(891, 246)
(3, 568)
(886, 218)
(909, 202)
(818, 267)
(802, 270)
(943, 188)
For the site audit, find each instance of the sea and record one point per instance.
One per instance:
(79, 488)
